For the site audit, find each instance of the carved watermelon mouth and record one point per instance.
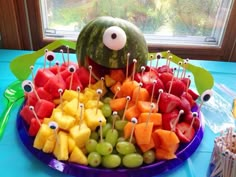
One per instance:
(99, 71)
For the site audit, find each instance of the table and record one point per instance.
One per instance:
(15, 160)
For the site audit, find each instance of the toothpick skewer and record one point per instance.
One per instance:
(127, 65)
(126, 106)
(63, 57)
(90, 74)
(134, 68)
(158, 57)
(35, 115)
(134, 122)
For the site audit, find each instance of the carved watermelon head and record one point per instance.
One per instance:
(105, 42)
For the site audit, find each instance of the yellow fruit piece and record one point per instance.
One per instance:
(93, 104)
(47, 120)
(109, 81)
(61, 105)
(80, 134)
(77, 156)
(63, 120)
(69, 95)
(44, 132)
(90, 94)
(99, 85)
(72, 107)
(71, 144)
(92, 117)
(61, 148)
(50, 143)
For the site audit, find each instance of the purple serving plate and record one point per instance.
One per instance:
(183, 152)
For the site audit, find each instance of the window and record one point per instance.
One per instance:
(175, 22)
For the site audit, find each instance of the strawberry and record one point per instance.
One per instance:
(148, 77)
(158, 85)
(164, 68)
(167, 118)
(189, 98)
(185, 105)
(178, 87)
(166, 77)
(188, 118)
(185, 132)
(193, 94)
(168, 102)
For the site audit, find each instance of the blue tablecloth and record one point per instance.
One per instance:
(17, 161)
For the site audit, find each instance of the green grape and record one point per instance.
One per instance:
(112, 117)
(111, 161)
(112, 136)
(107, 100)
(105, 128)
(106, 110)
(120, 124)
(104, 148)
(125, 147)
(94, 135)
(149, 156)
(132, 160)
(91, 145)
(94, 159)
(120, 139)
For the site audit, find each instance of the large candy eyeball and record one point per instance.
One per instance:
(206, 95)
(27, 86)
(114, 38)
(71, 69)
(50, 56)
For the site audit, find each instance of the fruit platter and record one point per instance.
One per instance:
(114, 112)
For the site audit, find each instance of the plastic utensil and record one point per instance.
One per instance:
(12, 93)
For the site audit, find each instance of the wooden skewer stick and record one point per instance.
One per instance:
(134, 122)
(126, 106)
(35, 115)
(127, 65)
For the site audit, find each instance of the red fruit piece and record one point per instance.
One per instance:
(54, 69)
(177, 88)
(54, 84)
(166, 77)
(184, 104)
(168, 118)
(164, 68)
(189, 98)
(43, 94)
(193, 94)
(83, 74)
(188, 118)
(148, 77)
(168, 102)
(44, 108)
(31, 99)
(186, 81)
(75, 82)
(42, 76)
(185, 132)
(158, 85)
(34, 127)
(26, 114)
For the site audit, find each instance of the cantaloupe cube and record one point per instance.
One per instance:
(42, 136)
(92, 117)
(80, 134)
(77, 156)
(100, 84)
(61, 148)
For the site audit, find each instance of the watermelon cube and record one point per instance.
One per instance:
(26, 114)
(42, 76)
(34, 127)
(43, 94)
(54, 69)
(83, 75)
(44, 108)
(75, 82)
(54, 84)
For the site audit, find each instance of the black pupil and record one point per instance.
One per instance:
(113, 36)
(53, 127)
(50, 57)
(27, 88)
(206, 97)
(72, 70)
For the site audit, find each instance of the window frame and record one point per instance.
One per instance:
(31, 34)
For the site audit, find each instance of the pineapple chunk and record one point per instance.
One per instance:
(71, 94)
(109, 81)
(71, 144)
(90, 94)
(50, 144)
(65, 121)
(93, 104)
(61, 148)
(92, 117)
(78, 156)
(47, 120)
(72, 108)
(44, 132)
(80, 134)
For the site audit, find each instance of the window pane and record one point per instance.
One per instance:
(199, 22)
